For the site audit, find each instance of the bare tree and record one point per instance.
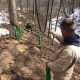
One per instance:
(12, 11)
(34, 11)
(20, 1)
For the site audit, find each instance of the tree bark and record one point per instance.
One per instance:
(21, 8)
(12, 11)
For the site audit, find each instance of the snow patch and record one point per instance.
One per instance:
(77, 31)
(75, 16)
(4, 32)
(4, 17)
(53, 24)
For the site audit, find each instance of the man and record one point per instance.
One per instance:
(66, 55)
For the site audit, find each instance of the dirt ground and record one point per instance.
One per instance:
(25, 60)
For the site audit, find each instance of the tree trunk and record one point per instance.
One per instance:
(21, 8)
(34, 11)
(12, 12)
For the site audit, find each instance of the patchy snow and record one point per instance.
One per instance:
(75, 16)
(4, 32)
(77, 31)
(4, 17)
(20, 15)
(53, 24)
(18, 8)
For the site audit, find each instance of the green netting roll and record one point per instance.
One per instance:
(15, 33)
(48, 74)
(26, 23)
(21, 31)
(14, 30)
(39, 39)
(26, 35)
(17, 36)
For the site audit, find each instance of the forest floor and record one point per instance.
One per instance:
(24, 60)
